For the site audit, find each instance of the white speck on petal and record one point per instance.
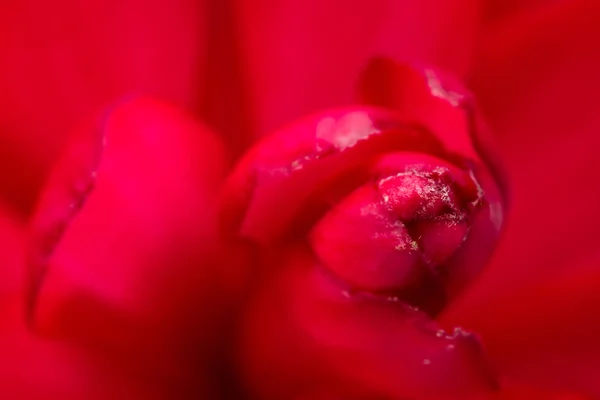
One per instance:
(347, 131)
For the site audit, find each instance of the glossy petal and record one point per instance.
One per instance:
(63, 59)
(124, 254)
(302, 56)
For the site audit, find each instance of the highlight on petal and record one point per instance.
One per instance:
(360, 224)
(437, 100)
(124, 254)
(319, 49)
(64, 59)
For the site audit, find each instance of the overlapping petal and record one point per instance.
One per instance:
(63, 59)
(341, 291)
(124, 256)
(537, 82)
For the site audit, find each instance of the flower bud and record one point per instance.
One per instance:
(364, 224)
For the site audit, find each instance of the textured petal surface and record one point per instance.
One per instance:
(63, 59)
(317, 325)
(34, 368)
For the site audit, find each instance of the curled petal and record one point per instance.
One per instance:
(439, 102)
(123, 253)
(359, 223)
(312, 339)
(65, 59)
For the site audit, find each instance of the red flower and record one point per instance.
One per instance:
(361, 222)
(129, 290)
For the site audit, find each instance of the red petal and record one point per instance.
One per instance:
(496, 11)
(126, 261)
(546, 334)
(63, 59)
(359, 242)
(35, 368)
(306, 55)
(12, 235)
(538, 83)
(303, 336)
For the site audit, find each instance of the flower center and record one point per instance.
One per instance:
(393, 236)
